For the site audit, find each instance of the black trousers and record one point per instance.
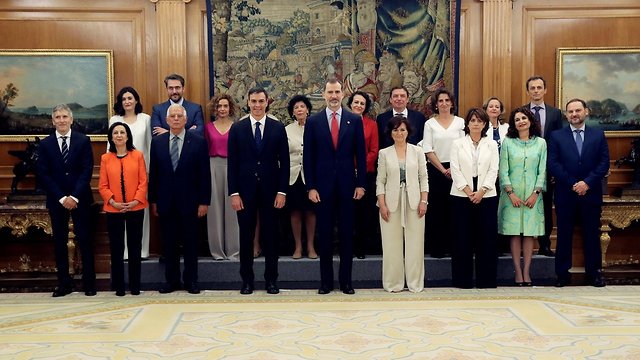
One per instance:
(475, 234)
(585, 210)
(330, 209)
(180, 229)
(547, 198)
(438, 221)
(367, 238)
(262, 206)
(81, 217)
(117, 224)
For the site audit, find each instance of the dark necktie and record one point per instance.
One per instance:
(334, 129)
(579, 141)
(65, 149)
(399, 114)
(258, 136)
(536, 113)
(175, 155)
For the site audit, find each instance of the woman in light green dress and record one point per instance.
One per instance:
(523, 169)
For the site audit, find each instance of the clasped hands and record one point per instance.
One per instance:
(580, 188)
(124, 206)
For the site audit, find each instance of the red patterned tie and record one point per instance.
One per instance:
(334, 130)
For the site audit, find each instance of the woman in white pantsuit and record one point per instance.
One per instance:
(402, 189)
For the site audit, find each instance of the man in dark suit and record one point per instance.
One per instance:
(334, 161)
(399, 98)
(579, 160)
(550, 119)
(258, 177)
(65, 166)
(179, 193)
(175, 88)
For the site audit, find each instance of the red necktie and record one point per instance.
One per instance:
(334, 130)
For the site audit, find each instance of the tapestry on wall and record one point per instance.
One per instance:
(292, 47)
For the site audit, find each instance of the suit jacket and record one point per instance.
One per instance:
(462, 162)
(295, 135)
(416, 119)
(328, 170)
(246, 165)
(568, 167)
(131, 168)
(388, 179)
(73, 178)
(502, 130)
(553, 121)
(189, 185)
(194, 116)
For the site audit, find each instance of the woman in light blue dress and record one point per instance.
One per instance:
(523, 171)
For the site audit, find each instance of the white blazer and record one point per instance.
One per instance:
(462, 162)
(502, 130)
(388, 179)
(294, 135)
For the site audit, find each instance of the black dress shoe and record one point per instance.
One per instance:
(598, 281)
(193, 288)
(563, 281)
(61, 291)
(120, 293)
(360, 256)
(347, 289)
(272, 288)
(324, 290)
(135, 292)
(546, 252)
(247, 289)
(168, 288)
(90, 292)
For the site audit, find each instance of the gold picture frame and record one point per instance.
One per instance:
(607, 78)
(33, 81)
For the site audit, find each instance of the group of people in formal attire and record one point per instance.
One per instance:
(449, 185)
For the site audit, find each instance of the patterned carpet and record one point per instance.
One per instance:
(440, 323)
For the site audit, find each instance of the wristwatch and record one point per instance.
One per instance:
(537, 191)
(424, 202)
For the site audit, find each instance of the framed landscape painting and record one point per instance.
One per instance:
(32, 82)
(608, 79)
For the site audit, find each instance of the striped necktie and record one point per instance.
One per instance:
(65, 149)
(175, 155)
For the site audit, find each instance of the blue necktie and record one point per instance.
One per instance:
(258, 136)
(175, 156)
(579, 141)
(65, 149)
(536, 113)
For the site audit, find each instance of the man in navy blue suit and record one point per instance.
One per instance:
(550, 119)
(579, 160)
(258, 178)
(175, 88)
(334, 161)
(65, 167)
(399, 98)
(179, 193)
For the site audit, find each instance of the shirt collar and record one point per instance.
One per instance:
(404, 112)
(329, 112)
(180, 135)
(68, 134)
(573, 128)
(254, 121)
(179, 102)
(532, 105)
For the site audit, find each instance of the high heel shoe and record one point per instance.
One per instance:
(527, 284)
(519, 284)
